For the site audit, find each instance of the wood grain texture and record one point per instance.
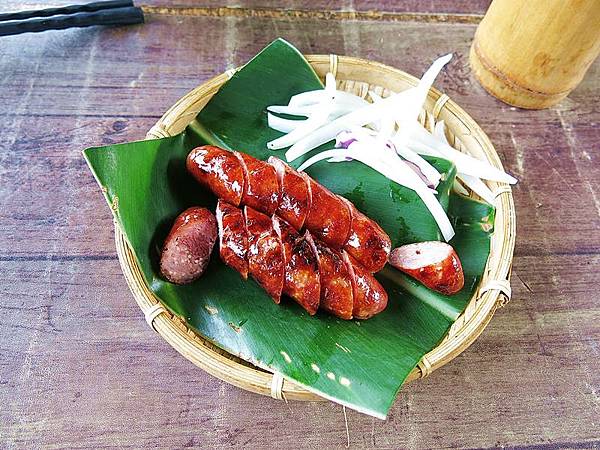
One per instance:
(80, 368)
(477, 7)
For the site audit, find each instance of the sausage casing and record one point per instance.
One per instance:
(336, 282)
(219, 170)
(301, 280)
(233, 240)
(265, 254)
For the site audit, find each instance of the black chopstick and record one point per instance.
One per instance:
(98, 13)
(72, 9)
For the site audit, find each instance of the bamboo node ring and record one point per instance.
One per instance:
(152, 313)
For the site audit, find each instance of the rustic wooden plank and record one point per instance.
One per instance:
(79, 367)
(411, 6)
(113, 382)
(147, 89)
(51, 204)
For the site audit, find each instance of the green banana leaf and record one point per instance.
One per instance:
(360, 364)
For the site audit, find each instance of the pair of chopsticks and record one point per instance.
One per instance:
(112, 12)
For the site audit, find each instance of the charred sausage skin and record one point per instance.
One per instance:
(300, 266)
(233, 239)
(301, 279)
(274, 187)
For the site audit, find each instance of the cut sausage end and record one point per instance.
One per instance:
(186, 251)
(435, 264)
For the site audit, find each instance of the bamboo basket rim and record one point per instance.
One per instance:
(494, 288)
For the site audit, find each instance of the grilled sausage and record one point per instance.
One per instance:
(262, 186)
(295, 197)
(218, 170)
(435, 264)
(265, 253)
(328, 218)
(282, 260)
(186, 251)
(369, 296)
(336, 282)
(301, 280)
(367, 242)
(233, 240)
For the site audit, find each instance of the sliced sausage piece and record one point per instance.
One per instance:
(367, 242)
(188, 246)
(370, 297)
(328, 218)
(336, 282)
(233, 241)
(435, 264)
(261, 184)
(265, 253)
(295, 201)
(219, 170)
(275, 187)
(301, 280)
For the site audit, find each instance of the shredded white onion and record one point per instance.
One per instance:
(329, 131)
(464, 163)
(384, 160)
(478, 186)
(385, 135)
(309, 98)
(281, 124)
(474, 183)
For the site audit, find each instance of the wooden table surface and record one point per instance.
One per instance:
(79, 367)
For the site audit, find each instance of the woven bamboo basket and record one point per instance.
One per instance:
(357, 76)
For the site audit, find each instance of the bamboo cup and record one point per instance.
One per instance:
(533, 53)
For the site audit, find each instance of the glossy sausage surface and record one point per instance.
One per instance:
(336, 282)
(295, 198)
(370, 297)
(329, 217)
(265, 254)
(275, 187)
(219, 170)
(261, 184)
(367, 242)
(301, 279)
(233, 240)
